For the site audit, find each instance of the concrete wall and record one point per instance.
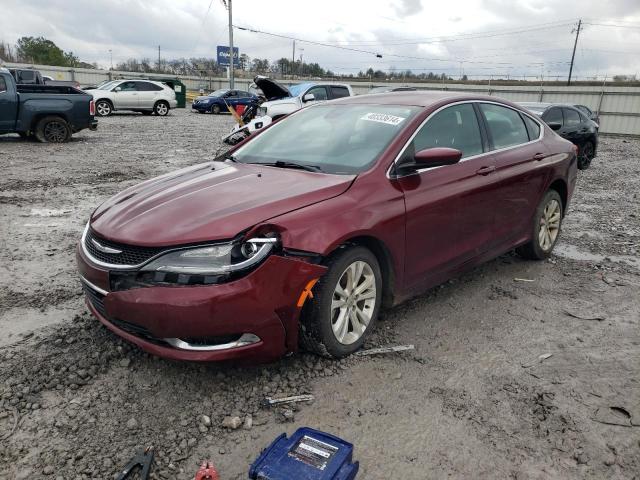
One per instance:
(619, 107)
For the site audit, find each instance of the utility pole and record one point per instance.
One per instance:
(293, 57)
(158, 58)
(573, 55)
(111, 58)
(231, 74)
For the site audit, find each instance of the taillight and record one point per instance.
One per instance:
(92, 108)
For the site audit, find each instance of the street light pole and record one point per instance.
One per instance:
(231, 74)
(111, 58)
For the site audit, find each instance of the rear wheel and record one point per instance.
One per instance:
(104, 108)
(345, 306)
(52, 130)
(161, 108)
(586, 155)
(546, 228)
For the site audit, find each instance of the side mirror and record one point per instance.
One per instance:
(555, 125)
(117, 89)
(436, 157)
(309, 97)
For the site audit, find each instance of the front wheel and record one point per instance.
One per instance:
(215, 109)
(52, 130)
(546, 228)
(345, 306)
(161, 108)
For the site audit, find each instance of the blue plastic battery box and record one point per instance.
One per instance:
(307, 455)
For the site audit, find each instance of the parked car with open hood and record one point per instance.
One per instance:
(282, 101)
(145, 96)
(376, 199)
(570, 123)
(217, 102)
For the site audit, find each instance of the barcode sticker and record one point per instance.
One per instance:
(383, 118)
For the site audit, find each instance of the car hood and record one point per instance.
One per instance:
(272, 90)
(200, 204)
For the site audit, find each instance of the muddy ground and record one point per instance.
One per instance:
(509, 378)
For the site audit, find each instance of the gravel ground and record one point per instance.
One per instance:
(480, 397)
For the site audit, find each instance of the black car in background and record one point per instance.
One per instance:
(572, 124)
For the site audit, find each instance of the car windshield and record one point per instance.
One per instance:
(218, 93)
(296, 90)
(108, 85)
(338, 139)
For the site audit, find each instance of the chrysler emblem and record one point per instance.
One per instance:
(104, 249)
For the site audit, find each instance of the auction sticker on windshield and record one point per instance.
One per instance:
(383, 118)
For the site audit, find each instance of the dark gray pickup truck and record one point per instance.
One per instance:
(50, 113)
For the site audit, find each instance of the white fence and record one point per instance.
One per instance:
(618, 107)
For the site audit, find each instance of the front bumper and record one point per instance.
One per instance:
(201, 107)
(259, 311)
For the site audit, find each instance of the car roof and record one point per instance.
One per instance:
(420, 98)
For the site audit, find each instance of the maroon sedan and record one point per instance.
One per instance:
(303, 232)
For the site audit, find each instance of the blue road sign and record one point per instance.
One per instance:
(224, 57)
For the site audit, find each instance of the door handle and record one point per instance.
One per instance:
(539, 156)
(486, 170)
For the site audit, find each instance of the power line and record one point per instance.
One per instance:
(613, 25)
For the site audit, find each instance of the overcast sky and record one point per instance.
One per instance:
(479, 37)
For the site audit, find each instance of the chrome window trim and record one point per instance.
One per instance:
(472, 157)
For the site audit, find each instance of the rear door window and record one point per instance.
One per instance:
(339, 92)
(147, 87)
(506, 127)
(532, 127)
(571, 117)
(454, 127)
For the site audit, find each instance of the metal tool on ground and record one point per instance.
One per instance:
(381, 350)
(143, 461)
(207, 472)
(270, 402)
(308, 454)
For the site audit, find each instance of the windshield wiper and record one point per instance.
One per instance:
(300, 166)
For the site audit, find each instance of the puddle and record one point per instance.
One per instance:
(574, 253)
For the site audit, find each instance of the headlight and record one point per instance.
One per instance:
(262, 111)
(214, 259)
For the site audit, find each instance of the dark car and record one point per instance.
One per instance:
(217, 101)
(49, 113)
(305, 230)
(572, 124)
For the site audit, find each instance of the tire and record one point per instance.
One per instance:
(161, 108)
(215, 109)
(586, 155)
(104, 108)
(320, 317)
(52, 129)
(548, 218)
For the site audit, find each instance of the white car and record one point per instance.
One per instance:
(296, 96)
(144, 96)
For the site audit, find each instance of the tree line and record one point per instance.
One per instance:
(41, 51)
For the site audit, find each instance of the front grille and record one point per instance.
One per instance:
(131, 255)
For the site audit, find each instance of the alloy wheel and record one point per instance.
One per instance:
(353, 302)
(162, 109)
(549, 225)
(55, 132)
(103, 109)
